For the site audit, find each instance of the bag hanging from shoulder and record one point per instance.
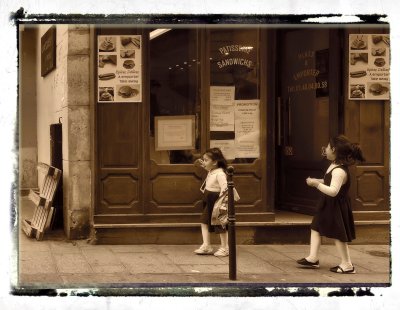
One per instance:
(219, 214)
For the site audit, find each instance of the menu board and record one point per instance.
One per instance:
(369, 67)
(119, 61)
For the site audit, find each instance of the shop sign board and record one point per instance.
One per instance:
(48, 51)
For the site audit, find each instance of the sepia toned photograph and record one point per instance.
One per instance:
(213, 159)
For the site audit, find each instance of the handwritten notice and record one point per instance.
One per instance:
(222, 118)
(226, 146)
(119, 68)
(247, 128)
(369, 68)
(222, 95)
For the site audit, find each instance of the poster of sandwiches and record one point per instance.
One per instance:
(369, 67)
(119, 61)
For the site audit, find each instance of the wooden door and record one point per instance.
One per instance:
(119, 147)
(367, 122)
(307, 111)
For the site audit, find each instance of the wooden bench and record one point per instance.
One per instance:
(43, 200)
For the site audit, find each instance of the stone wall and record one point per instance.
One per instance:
(28, 176)
(76, 135)
(63, 95)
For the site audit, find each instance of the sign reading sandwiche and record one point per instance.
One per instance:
(119, 68)
(369, 68)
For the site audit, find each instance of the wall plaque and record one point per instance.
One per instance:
(48, 51)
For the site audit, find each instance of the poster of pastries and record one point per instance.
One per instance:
(369, 67)
(119, 68)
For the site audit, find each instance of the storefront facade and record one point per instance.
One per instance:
(145, 102)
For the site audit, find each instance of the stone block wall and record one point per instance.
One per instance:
(64, 94)
(76, 134)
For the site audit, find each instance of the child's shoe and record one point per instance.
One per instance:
(222, 252)
(204, 250)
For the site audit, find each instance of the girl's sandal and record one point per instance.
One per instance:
(338, 269)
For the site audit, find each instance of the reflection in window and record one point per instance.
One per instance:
(174, 84)
(234, 62)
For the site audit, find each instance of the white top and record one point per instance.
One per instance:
(216, 181)
(339, 177)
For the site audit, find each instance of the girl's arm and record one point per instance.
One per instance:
(222, 181)
(338, 179)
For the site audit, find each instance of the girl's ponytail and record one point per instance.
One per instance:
(356, 152)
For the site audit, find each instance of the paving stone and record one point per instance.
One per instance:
(158, 278)
(72, 263)
(39, 279)
(264, 252)
(109, 269)
(99, 257)
(62, 247)
(289, 248)
(147, 263)
(91, 280)
(132, 248)
(205, 268)
(36, 263)
(185, 255)
(32, 245)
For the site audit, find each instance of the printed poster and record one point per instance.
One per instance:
(119, 68)
(369, 68)
(227, 147)
(222, 111)
(247, 128)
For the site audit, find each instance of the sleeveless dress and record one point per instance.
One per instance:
(334, 217)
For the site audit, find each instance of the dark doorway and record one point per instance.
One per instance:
(308, 114)
(56, 161)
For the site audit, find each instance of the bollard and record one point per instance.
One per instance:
(231, 225)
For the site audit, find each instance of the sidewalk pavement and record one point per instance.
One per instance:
(60, 263)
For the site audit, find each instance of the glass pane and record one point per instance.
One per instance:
(306, 76)
(174, 85)
(234, 65)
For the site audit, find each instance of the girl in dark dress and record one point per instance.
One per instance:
(214, 185)
(334, 217)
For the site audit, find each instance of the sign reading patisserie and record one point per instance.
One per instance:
(369, 68)
(119, 61)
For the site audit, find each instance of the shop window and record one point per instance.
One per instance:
(235, 93)
(174, 99)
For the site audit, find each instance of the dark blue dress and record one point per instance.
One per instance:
(334, 217)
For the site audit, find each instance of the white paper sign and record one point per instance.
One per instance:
(369, 69)
(227, 147)
(247, 128)
(222, 117)
(222, 95)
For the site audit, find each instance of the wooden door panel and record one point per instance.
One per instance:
(119, 134)
(176, 189)
(119, 175)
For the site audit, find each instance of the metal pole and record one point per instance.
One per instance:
(231, 226)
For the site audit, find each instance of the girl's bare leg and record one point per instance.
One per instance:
(206, 234)
(224, 239)
(343, 250)
(315, 243)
